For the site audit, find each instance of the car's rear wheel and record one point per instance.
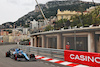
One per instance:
(15, 57)
(7, 54)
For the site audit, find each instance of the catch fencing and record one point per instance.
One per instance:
(48, 52)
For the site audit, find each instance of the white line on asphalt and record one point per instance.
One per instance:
(81, 66)
(62, 63)
(66, 63)
(45, 58)
(38, 56)
(54, 60)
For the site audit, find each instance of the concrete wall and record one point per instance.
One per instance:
(98, 45)
(11, 38)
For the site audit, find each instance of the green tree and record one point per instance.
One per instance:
(87, 19)
(61, 23)
(49, 27)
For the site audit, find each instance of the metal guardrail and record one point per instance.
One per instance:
(48, 52)
(24, 43)
(7, 43)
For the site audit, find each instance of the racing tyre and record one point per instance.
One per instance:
(7, 54)
(15, 57)
(32, 56)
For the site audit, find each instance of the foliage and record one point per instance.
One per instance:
(25, 26)
(88, 19)
(60, 23)
(10, 31)
(63, 23)
(26, 40)
(77, 7)
(92, 18)
(49, 27)
(52, 12)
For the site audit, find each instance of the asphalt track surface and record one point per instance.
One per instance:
(8, 62)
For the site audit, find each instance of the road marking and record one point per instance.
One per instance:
(53, 60)
(60, 62)
(41, 57)
(72, 65)
(38, 57)
(81, 66)
(66, 63)
(45, 58)
(49, 59)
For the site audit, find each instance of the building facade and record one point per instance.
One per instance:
(25, 30)
(34, 24)
(66, 14)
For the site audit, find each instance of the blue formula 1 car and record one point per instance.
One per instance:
(18, 54)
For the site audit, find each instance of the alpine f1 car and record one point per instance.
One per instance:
(18, 54)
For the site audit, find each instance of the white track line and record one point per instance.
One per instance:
(62, 63)
(66, 63)
(38, 56)
(45, 58)
(81, 66)
(54, 60)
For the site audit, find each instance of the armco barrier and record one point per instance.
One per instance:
(86, 58)
(7, 43)
(48, 52)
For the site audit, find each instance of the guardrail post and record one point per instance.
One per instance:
(51, 53)
(29, 49)
(37, 50)
(20, 46)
